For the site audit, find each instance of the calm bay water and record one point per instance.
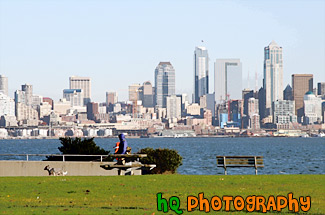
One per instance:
(281, 155)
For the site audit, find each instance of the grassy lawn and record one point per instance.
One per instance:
(137, 194)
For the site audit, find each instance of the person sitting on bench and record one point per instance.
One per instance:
(122, 145)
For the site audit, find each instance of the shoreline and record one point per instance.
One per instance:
(154, 137)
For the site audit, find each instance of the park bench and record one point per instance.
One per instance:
(240, 161)
(126, 163)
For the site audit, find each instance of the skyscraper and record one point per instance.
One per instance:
(111, 98)
(227, 79)
(134, 92)
(287, 93)
(201, 73)
(75, 96)
(273, 76)
(83, 83)
(164, 83)
(28, 89)
(173, 107)
(147, 94)
(301, 84)
(4, 85)
(321, 89)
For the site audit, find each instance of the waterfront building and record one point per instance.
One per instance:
(4, 85)
(8, 121)
(164, 83)
(313, 108)
(273, 76)
(7, 105)
(284, 112)
(173, 107)
(301, 84)
(287, 93)
(74, 96)
(201, 73)
(83, 83)
(227, 79)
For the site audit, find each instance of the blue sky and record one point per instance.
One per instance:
(118, 43)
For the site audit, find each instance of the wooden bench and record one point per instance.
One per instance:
(240, 161)
(128, 163)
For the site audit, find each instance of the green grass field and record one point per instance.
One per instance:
(137, 194)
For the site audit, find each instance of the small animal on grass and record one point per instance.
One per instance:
(55, 172)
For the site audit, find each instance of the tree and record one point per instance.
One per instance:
(166, 160)
(81, 147)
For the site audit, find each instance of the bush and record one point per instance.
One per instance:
(166, 160)
(78, 146)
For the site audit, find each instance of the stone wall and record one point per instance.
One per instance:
(36, 168)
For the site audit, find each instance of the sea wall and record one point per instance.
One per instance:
(36, 168)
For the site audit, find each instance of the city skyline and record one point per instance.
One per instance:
(41, 48)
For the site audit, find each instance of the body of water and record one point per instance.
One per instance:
(281, 155)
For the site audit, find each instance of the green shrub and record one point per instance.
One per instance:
(81, 147)
(166, 160)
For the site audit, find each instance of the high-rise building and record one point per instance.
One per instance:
(48, 100)
(252, 106)
(207, 102)
(20, 97)
(92, 110)
(147, 94)
(201, 73)
(173, 107)
(261, 102)
(284, 112)
(313, 108)
(164, 83)
(111, 98)
(321, 89)
(7, 105)
(75, 96)
(83, 83)
(287, 93)
(3, 84)
(246, 94)
(273, 76)
(301, 84)
(28, 89)
(134, 92)
(227, 79)
(253, 113)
